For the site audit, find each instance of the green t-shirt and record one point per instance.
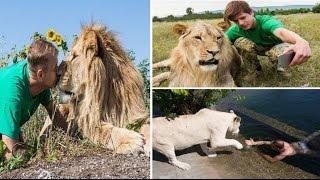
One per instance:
(16, 103)
(263, 33)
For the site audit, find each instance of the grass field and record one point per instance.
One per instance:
(307, 74)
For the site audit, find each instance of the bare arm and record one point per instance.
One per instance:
(251, 142)
(272, 159)
(300, 46)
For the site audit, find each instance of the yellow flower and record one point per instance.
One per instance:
(26, 49)
(59, 40)
(51, 35)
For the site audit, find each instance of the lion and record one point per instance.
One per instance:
(103, 91)
(203, 57)
(187, 130)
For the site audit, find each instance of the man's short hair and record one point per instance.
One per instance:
(233, 8)
(38, 54)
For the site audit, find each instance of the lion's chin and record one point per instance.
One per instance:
(64, 97)
(235, 134)
(209, 68)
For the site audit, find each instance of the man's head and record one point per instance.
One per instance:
(240, 13)
(43, 59)
(277, 145)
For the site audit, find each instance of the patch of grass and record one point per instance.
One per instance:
(13, 162)
(57, 146)
(136, 125)
(164, 40)
(53, 156)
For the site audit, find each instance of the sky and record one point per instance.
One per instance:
(130, 19)
(163, 8)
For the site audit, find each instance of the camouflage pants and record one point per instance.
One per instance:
(250, 51)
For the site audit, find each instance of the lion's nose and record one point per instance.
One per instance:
(213, 52)
(61, 69)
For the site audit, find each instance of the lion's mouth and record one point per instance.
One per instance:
(212, 61)
(65, 96)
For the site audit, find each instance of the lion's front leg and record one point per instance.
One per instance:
(225, 143)
(124, 141)
(145, 130)
(226, 80)
(120, 140)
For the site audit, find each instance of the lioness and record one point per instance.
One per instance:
(188, 130)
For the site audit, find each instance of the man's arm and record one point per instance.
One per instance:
(272, 159)
(300, 46)
(251, 142)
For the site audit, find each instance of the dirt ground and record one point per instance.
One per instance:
(231, 163)
(104, 165)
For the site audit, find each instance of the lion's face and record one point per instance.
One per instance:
(202, 44)
(73, 74)
(235, 124)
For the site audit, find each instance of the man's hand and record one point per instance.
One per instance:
(249, 142)
(300, 46)
(302, 52)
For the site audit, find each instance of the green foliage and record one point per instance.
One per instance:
(189, 10)
(190, 16)
(14, 162)
(239, 98)
(186, 101)
(316, 8)
(135, 126)
(266, 11)
(53, 156)
(215, 15)
(144, 68)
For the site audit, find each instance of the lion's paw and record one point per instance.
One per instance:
(127, 141)
(239, 146)
(181, 165)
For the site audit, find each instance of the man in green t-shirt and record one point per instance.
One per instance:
(262, 35)
(23, 86)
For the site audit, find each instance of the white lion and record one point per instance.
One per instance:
(188, 130)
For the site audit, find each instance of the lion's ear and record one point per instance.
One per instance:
(223, 26)
(91, 46)
(179, 29)
(237, 119)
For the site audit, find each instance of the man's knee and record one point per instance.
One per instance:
(277, 50)
(244, 44)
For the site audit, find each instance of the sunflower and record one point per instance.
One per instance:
(59, 40)
(26, 49)
(51, 35)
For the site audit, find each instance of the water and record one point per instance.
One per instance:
(297, 108)
(290, 115)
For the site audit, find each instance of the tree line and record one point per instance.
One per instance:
(190, 15)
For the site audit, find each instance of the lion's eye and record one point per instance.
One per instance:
(198, 37)
(219, 37)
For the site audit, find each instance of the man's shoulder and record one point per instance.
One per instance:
(266, 18)
(233, 29)
(13, 80)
